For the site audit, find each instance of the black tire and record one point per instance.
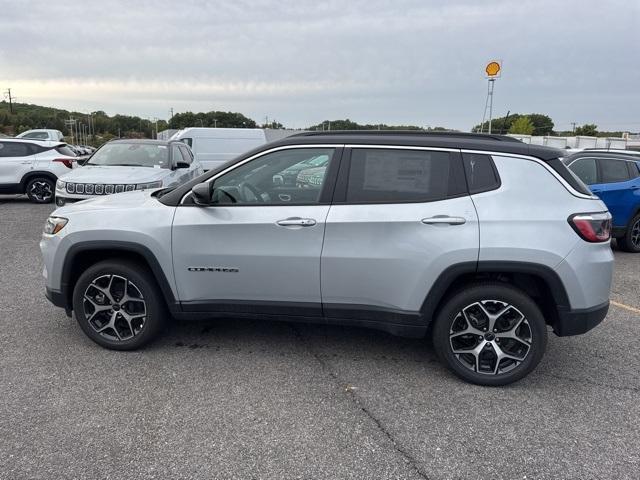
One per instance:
(632, 233)
(141, 289)
(497, 296)
(40, 189)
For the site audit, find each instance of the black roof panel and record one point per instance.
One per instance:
(468, 141)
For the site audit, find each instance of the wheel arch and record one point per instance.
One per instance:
(539, 281)
(27, 177)
(83, 255)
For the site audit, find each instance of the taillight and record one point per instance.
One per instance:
(67, 162)
(592, 227)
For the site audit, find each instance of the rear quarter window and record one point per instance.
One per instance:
(480, 172)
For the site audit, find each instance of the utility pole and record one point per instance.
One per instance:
(8, 94)
(573, 127)
(70, 124)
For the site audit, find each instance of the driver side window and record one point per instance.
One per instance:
(286, 177)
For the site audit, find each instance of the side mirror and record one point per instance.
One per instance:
(182, 165)
(202, 194)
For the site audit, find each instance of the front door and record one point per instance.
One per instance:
(256, 248)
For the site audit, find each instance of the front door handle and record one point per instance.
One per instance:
(296, 222)
(444, 220)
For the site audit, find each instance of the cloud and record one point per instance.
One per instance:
(375, 61)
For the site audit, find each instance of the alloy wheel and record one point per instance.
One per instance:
(114, 307)
(635, 234)
(490, 337)
(41, 191)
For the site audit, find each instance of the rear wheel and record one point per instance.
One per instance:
(40, 190)
(630, 242)
(490, 334)
(118, 305)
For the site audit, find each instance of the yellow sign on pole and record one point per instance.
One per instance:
(493, 69)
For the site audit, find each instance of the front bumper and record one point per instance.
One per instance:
(63, 198)
(577, 322)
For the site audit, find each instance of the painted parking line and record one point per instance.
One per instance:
(626, 307)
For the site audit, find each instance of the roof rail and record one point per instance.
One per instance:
(467, 135)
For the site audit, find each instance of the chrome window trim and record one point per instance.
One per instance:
(403, 147)
(261, 154)
(557, 176)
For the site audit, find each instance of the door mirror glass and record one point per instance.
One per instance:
(202, 194)
(182, 165)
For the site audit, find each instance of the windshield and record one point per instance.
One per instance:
(131, 154)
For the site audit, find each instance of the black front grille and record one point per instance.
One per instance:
(98, 188)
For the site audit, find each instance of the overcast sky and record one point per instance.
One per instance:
(398, 62)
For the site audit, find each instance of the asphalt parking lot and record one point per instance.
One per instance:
(232, 399)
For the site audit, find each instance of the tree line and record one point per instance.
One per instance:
(103, 127)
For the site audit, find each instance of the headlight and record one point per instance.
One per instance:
(144, 186)
(54, 224)
(60, 185)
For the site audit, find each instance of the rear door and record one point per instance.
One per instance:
(616, 189)
(16, 160)
(400, 217)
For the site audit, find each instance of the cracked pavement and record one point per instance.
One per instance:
(239, 399)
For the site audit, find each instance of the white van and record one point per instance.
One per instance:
(214, 146)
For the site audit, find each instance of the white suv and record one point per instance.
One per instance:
(33, 167)
(479, 241)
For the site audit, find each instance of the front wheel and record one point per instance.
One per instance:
(490, 334)
(40, 190)
(630, 242)
(119, 305)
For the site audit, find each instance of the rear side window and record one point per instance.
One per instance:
(398, 176)
(634, 171)
(586, 169)
(65, 150)
(15, 149)
(188, 141)
(613, 171)
(37, 135)
(481, 174)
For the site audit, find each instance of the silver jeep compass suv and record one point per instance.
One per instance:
(481, 242)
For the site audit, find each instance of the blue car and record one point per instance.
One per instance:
(615, 178)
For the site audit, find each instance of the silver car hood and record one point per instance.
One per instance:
(114, 175)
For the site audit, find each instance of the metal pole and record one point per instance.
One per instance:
(491, 85)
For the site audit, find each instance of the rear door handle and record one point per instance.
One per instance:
(444, 219)
(296, 222)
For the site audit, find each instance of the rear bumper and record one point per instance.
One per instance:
(577, 322)
(57, 298)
